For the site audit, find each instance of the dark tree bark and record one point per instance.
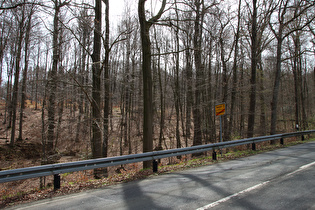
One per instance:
(234, 78)
(106, 86)
(199, 69)
(252, 102)
(147, 76)
(262, 100)
(96, 141)
(189, 96)
(177, 84)
(17, 76)
(296, 79)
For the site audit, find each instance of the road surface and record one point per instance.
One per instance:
(281, 179)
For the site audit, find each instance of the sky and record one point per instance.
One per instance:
(117, 7)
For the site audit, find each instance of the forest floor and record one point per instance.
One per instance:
(26, 153)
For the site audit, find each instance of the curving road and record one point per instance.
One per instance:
(281, 179)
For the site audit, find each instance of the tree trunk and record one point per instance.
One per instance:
(52, 82)
(147, 77)
(16, 79)
(199, 69)
(106, 87)
(242, 118)
(252, 103)
(23, 97)
(296, 81)
(96, 141)
(262, 101)
(275, 93)
(225, 85)
(177, 87)
(234, 79)
(162, 104)
(189, 96)
(147, 86)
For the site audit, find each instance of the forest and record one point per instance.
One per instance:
(100, 85)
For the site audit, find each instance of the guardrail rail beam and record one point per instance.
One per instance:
(60, 168)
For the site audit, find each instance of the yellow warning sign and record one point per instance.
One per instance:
(219, 109)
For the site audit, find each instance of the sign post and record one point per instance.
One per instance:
(219, 111)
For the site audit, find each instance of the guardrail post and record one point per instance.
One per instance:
(281, 141)
(155, 166)
(253, 146)
(214, 155)
(56, 181)
(302, 138)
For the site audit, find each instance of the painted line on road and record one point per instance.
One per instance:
(251, 188)
(232, 196)
(301, 168)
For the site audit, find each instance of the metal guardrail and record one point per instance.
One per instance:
(60, 168)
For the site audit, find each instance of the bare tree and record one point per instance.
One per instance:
(252, 103)
(106, 84)
(198, 22)
(21, 18)
(96, 141)
(26, 61)
(234, 68)
(145, 26)
(52, 76)
(281, 31)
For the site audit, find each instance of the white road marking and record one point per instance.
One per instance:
(301, 168)
(232, 196)
(208, 206)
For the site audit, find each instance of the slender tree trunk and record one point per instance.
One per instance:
(162, 105)
(106, 87)
(189, 96)
(234, 79)
(262, 101)
(211, 119)
(127, 94)
(23, 97)
(16, 79)
(199, 70)
(52, 82)
(96, 141)
(43, 137)
(242, 119)
(162, 116)
(296, 82)
(275, 93)
(36, 79)
(82, 72)
(8, 109)
(177, 88)
(252, 103)
(303, 97)
(224, 89)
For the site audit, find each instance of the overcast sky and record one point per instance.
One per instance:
(117, 7)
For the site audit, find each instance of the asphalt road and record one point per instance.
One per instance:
(281, 179)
